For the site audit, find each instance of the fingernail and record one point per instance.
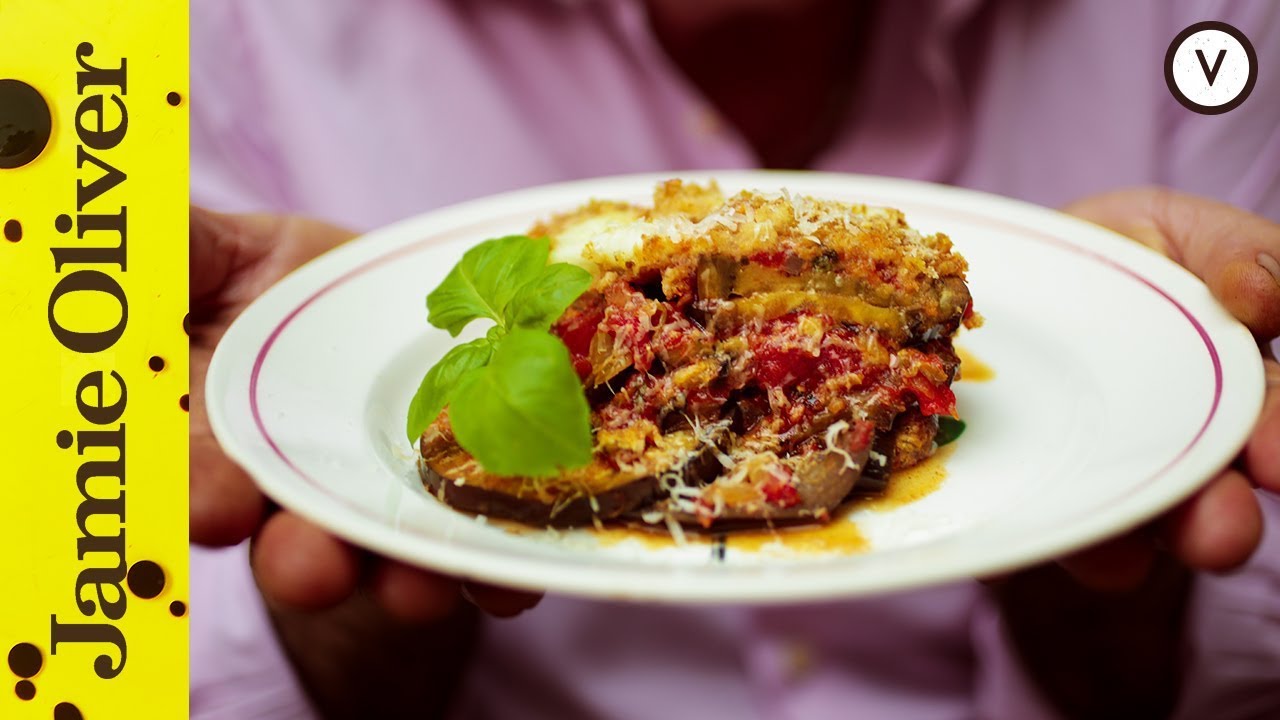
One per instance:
(1270, 264)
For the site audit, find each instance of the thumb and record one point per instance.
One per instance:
(226, 248)
(221, 246)
(233, 258)
(1233, 251)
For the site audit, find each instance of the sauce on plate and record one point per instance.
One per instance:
(972, 369)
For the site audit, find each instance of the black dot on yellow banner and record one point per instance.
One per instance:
(184, 402)
(177, 608)
(145, 579)
(66, 711)
(25, 690)
(174, 99)
(25, 660)
(25, 123)
(12, 230)
(156, 363)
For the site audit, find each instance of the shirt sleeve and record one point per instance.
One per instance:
(1233, 156)
(1234, 646)
(238, 671)
(234, 162)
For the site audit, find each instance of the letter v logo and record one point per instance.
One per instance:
(1210, 88)
(1211, 73)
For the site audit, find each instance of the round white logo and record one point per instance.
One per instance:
(1211, 67)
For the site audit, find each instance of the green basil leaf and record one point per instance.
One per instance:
(433, 393)
(541, 302)
(525, 412)
(482, 284)
(949, 429)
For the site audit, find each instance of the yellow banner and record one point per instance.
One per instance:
(93, 359)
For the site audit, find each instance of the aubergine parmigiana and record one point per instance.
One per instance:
(752, 360)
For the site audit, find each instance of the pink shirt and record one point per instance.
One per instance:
(365, 111)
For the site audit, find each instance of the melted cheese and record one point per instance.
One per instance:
(613, 232)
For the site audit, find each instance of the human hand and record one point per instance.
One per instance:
(348, 620)
(1100, 632)
(297, 564)
(1234, 252)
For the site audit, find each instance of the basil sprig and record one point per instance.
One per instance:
(515, 401)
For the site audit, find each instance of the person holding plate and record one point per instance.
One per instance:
(323, 120)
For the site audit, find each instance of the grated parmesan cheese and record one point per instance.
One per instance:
(677, 532)
(832, 431)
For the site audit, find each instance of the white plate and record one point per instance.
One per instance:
(1120, 387)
